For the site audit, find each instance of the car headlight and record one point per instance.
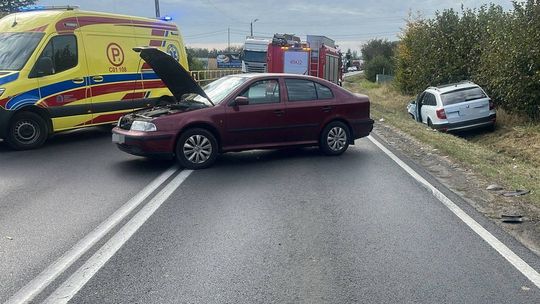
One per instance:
(2, 90)
(145, 126)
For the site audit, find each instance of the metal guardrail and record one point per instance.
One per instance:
(205, 76)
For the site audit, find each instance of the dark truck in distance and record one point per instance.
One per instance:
(241, 112)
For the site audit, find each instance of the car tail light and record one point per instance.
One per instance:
(441, 114)
(491, 105)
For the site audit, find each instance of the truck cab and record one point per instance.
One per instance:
(254, 55)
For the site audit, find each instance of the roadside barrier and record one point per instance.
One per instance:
(205, 76)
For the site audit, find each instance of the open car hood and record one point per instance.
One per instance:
(175, 77)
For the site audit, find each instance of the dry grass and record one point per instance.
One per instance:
(510, 156)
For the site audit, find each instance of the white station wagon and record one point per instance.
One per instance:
(452, 107)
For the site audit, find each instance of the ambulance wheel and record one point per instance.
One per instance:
(27, 130)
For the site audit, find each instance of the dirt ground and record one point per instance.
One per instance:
(469, 185)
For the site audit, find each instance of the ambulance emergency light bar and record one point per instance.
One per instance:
(47, 7)
(166, 18)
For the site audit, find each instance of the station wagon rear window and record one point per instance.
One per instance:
(462, 95)
(16, 48)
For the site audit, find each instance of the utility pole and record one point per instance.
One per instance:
(157, 8)
(251, 26)
(228, 39)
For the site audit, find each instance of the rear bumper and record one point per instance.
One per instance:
(148, 144)
(467, 125)
(361, 127)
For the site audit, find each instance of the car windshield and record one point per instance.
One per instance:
(254, 56)
(16, 48)
(463, 95)
(218, 89)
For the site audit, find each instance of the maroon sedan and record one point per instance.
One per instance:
(241, 112)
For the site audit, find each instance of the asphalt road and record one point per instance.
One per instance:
(52, 197)
(288, 226)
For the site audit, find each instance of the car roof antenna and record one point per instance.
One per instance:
(14, 21)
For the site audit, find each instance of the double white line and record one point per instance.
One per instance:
(78, 279)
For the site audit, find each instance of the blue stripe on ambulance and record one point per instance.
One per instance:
(9, 78)
(26, 98)
(33, 96)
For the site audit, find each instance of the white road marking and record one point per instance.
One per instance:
(502, 249)
(77, 280)
(34, 287)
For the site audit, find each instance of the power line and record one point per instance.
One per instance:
(205, 34)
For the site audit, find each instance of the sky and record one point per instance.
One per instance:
(207, 23)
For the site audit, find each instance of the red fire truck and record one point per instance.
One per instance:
(287, 54)
(326, 59)
(317, 57)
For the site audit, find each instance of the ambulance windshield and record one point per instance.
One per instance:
(16, 48)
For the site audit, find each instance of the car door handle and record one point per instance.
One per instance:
(327, 109)
(279, 112)
(78, 80)
(97, 78)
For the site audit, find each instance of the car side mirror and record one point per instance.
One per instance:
(241, 101)
(44, 67)
(413, 101)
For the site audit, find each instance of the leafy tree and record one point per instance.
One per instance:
(378, 56)
(378, 65)
(11, 6)
(194, 63)
(348, 58)
(376, 47)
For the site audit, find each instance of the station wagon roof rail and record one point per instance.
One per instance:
(455, 84)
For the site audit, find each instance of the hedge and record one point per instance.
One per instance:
(499, 50)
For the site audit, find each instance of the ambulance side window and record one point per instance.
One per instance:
(59, 55)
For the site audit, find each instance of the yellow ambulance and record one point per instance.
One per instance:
(62, 68)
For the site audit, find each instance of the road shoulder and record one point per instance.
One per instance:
(470, 186)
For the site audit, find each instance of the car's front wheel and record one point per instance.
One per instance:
(196, 149)
(334, 138)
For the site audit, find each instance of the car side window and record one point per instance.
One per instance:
(61, 53)
(261, 92)
(429, 100)
(323, 92)
(300, 90)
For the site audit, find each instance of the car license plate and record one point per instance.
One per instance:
(118, 138)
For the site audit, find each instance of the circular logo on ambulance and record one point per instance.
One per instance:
(115, 54)
(173, 51)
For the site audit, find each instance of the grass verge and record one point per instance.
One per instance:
(510, 156)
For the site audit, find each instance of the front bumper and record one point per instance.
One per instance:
(148, 144)
(468, 125)
(5, 117)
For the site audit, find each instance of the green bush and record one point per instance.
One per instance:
(378, 56)
(500, 50)
(378, 65)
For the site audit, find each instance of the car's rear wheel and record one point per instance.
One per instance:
(334, 138)
(429, 123)
(27, 130)
(196, 149)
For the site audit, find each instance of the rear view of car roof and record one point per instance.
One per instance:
(454, 86)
